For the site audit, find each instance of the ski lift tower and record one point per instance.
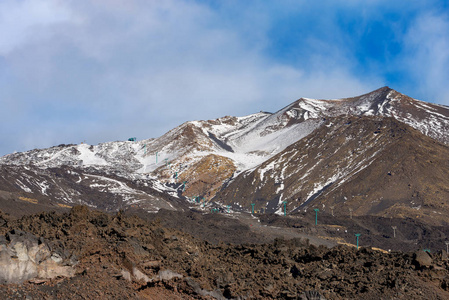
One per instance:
(357, 236)
(144, 147)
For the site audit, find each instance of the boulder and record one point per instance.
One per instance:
(26, 257)
(422, 259)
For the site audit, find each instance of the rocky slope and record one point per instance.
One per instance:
(27, 189)
(370, 165)
(118, 256)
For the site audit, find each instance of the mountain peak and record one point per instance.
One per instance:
(327, 138)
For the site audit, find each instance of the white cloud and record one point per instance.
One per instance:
(27, 20)
(427, 56)
(100, 71)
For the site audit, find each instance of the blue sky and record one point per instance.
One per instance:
(98, 71)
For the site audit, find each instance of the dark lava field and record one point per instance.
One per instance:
(190, 255)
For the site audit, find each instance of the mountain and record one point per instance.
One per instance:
(371, 165)
(29, 189)
(347, 153)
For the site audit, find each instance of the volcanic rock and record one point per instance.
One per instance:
(422, 259)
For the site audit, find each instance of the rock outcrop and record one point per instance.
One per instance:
(23, 256)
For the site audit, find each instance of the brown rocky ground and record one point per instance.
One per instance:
(206, 176)
(408, 235)
(125, 257)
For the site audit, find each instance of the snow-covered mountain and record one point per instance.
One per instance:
(203, 158)
(247, 141)
(370, 165)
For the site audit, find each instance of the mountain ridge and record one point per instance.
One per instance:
(201, 159)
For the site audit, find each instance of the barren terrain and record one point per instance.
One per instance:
(122, 256)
